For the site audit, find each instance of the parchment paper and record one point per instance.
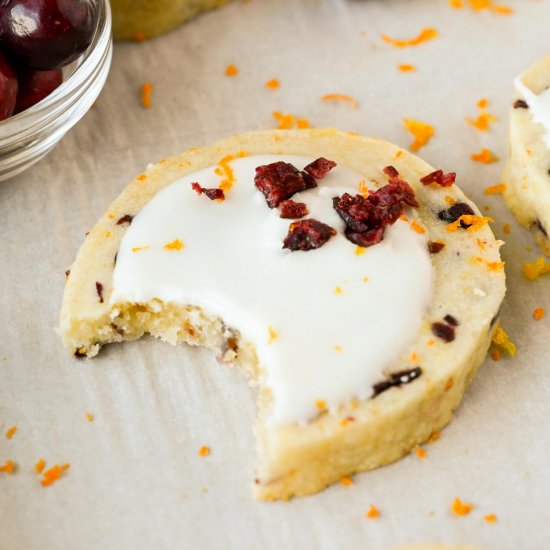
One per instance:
(135, 479)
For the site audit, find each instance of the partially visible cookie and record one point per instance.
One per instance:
(140, 19)
(527, 172)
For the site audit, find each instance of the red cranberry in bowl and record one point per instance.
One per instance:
(47, 34)
(34, 86)
(8, 88)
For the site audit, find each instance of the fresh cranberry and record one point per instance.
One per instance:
(8, 88)
(47, 34)
(34, 86)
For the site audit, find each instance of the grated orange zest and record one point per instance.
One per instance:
(341, 97)
(424, 36)
(421, 131)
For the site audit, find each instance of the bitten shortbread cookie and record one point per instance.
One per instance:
(356, 285)
(527, 171)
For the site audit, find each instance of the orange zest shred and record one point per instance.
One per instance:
(536, 269)
(231, 70)
(491, 266)
(360, 250)
(417, 227)
(176, 244)
(475, 222)
(139, 248)
(456, 4)
(302, 123)
(484, 119)
(89, 417)
(8, 467)
(53, 474)
(273, 84)
(490, 518)
(495, 189)
(506, 228)
(460, 508)
(496, 355)
(321, 404)
(420, 453)
(347, 420)
(226, 172)
(538, 313)
(272, 334)
(501, 338)
(363, 189)
(423, 36)
(346, 480)
(146, 94)
(285, 121)
(372, 512)
(341, 97)
(39, 466)
(337, 348)
(11, 432)
(421, 131)
(338, 290)
(479, 5)
(485, 156)
(204, 450)
(406, 68)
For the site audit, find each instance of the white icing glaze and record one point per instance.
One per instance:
(539, 106)
(330, 345)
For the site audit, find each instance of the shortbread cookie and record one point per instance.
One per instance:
(527, 171)
(356, 286)
(140, 19)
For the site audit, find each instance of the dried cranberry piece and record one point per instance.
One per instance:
(520, 104)
(450, 320)
(99, 288)
(307, 235)
(396, 379)
(127, 218)
(214, 193)
(439, 177)
(454, 212)
(293, 210)
(391, 171)
(434, 247)
(320, 168)
(367, 217)
(443, 331)
(280, 180)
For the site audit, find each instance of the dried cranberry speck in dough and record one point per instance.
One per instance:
(320, 168)
(454, 212)
(280, 180)
(292, 210)
(439, 177)
(307, 235)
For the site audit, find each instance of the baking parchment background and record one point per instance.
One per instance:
(135, 479)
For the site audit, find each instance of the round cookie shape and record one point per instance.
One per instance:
(414, 396)
(526, 174)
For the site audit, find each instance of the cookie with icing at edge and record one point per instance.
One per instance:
(359, 402)
(526, 174)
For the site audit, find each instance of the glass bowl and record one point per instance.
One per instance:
(26, 137)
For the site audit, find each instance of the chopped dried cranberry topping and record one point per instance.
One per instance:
(439, 177)
(319, 168)
(454, 212)
(521, 104)
(307, 235)
(434, 247)
(450, 320)
(280, 180)
(67, 273)
(391, 172)
(99, 288)
(127, 218)
(443, 331)
(212, 193)
(293, 210)
(396, 379)
(367, 217)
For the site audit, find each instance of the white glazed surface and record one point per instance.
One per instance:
(336, 333)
